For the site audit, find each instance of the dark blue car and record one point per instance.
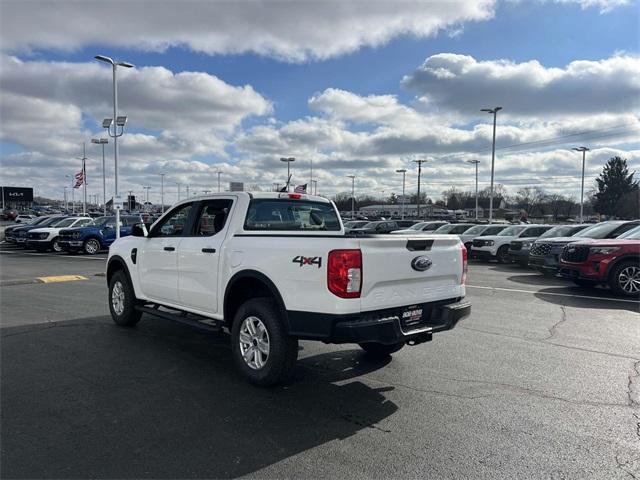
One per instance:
(98, 236)
(19, 234)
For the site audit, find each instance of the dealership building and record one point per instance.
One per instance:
(17, 198)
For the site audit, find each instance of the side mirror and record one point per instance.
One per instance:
(138, 230)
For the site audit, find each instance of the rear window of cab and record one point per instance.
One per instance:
(274, 214)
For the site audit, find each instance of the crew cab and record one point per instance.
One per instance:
(545, 252)
(615, 262)
(47, 238)
(496, 247)
(273, 268)
(96, 236)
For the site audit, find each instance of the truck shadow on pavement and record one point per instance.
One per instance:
(86, 399)
(585, 297)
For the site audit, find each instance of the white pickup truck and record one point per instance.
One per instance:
(273, 268)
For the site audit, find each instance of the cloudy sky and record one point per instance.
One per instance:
(352, 87)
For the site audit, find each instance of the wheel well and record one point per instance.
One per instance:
(115, 265)
(626, 258)
(245, 286)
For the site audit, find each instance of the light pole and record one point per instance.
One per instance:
(288, 160)
(146, 198)
(103, 142)
(353, 200)
(584, 151)
(162, 193)
(66, 203)
(119, 122)
(314, 185)
(493, 111)
(84, 178)
(403, 171)
(219, 172)
(178, 183)
(73, 193)
(419, 162)
(475, 162)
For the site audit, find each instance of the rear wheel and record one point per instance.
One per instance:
(503, 254)
(625, 279)
(262, 350)
(380, 350)
(91, 246)
(122, 300)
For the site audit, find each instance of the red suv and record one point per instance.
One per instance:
(614, 261)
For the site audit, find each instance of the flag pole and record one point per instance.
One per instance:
(84, 179)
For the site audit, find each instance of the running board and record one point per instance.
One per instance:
(203, 323)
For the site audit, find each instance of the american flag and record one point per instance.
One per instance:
(301, 189)
(80, 178)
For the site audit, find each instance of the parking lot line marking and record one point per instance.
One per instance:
(61, 278)
(589, 297)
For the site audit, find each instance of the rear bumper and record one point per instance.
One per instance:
(482, 254)
(379, 326)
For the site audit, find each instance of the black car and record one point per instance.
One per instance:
(10, 232)
(381, 226)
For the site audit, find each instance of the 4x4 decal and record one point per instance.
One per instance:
(308, 261)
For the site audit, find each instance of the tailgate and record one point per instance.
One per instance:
(390, 280)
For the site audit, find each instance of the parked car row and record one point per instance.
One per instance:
(72, 234)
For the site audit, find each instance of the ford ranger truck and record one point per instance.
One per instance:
(271, 269)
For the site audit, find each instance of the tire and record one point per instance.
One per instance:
(91, 246)
(581, 282)
(502, 255)
(258, 321)
(122, 301)
(55, 246)
(625, 278)
(380, 350)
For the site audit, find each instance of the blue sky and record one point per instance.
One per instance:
(277, 108)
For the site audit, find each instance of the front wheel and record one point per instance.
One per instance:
(55, 245)
(380, 350)
(91, 246)
(503, 254)
(625, 279)
(262, 350)
(122, 301)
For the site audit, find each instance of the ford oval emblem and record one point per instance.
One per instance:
(421, 263)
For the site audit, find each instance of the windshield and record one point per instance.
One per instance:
(101, 221)
(67, 222)
(50, 221)
(559, 231)
(417, 226)
(511, 231)
(370, 225)
(477, 230)
(633, 234)
(445, 228)
(599, 230)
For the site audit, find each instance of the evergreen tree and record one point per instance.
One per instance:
(614, 183)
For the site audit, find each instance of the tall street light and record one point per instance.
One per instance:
(419, 162)
(103, 142)
(475, 162)
(73, 193)
(403, 171)
(219, 172)
(146, 198)
(119, 122)
(66, 203)
(162, 192)
(353, 192)
(288, 160)
(584, 151)
(493, 111)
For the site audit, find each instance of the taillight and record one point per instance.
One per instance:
(344, 273)
(465, 256)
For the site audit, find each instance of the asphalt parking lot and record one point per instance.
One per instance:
(542, 381)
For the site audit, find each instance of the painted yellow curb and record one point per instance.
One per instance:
(62, 278)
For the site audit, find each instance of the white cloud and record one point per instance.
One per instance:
(605, 6)
(460, 83)
(288, 30)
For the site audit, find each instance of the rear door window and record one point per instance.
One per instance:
(284, 214)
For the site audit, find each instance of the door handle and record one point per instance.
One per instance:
(169, 249)
(208, 250)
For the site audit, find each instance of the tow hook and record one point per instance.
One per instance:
(418, 339)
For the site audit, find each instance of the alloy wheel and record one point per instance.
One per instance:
(117, 298)
(254, 343)
(629, 279)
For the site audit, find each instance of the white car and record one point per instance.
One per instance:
(454, 229)
(273, 268)
(25, 218)
(479, 231)
(420, 228)
(496, 247)
(46, 238)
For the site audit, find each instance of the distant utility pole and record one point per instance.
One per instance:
(584, 151)
(493, 111)
(84, 178)
(353, 199)
(475, 162)
(419, 162)
(403, 171)
(162, 192)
